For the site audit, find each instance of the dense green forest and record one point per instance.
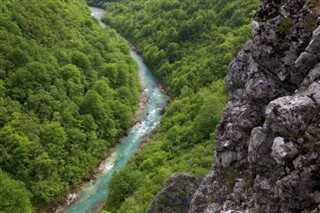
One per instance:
(188, 44)
(68, 90)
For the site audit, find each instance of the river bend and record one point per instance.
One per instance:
(91, 197)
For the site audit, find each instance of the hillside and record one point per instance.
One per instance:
(243, 81)
(267, 155)
(68, 90)
(189, 45)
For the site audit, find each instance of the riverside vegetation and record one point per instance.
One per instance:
(189, 44)
(68, 90)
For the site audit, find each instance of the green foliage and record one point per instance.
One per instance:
(123, 185)
(61, 106)
(184, 142)
(196, 39)
(285, 25)
(189, 44)
(14, 197)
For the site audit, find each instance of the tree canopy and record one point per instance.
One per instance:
(68, 90)
(188, 44)
(14, 197)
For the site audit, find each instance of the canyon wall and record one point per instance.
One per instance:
(267, 156)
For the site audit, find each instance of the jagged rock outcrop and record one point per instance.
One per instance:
(176, 195)
(268, 151)
(268, 155)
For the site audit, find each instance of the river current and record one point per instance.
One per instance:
(91, 197)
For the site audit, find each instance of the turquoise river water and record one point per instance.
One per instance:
(92, 196)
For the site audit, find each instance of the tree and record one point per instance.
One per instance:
(54, 138)
(18, 57)
(110, 71)
(55, 95)
(82, 61)
(15, 151)
(14, 197)
(123, 184)
(196, 39)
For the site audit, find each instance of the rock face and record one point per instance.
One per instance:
(268, 155)
(268, 152)
(176, 195)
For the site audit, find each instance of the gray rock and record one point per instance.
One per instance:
(176, 195)
(263, 87)
(236, 79)
(227, 158)
(298, 163)
(255, 28)
(282, 150)
(313, 91)
(290, 115)
(278, 150)
(316, 196)
(267, 155)
(276, 73)
(213, 208)
(303, 64)
(313, 75)
(258, 137)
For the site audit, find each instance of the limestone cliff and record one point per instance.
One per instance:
(268, 152)
(176, 195)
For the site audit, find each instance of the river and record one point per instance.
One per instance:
(92, 196)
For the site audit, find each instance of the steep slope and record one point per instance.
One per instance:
(189, 44)
(267, 156)
(178, 39)
(68, 90)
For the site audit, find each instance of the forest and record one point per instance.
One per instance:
(188, 44)
(68, 91)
